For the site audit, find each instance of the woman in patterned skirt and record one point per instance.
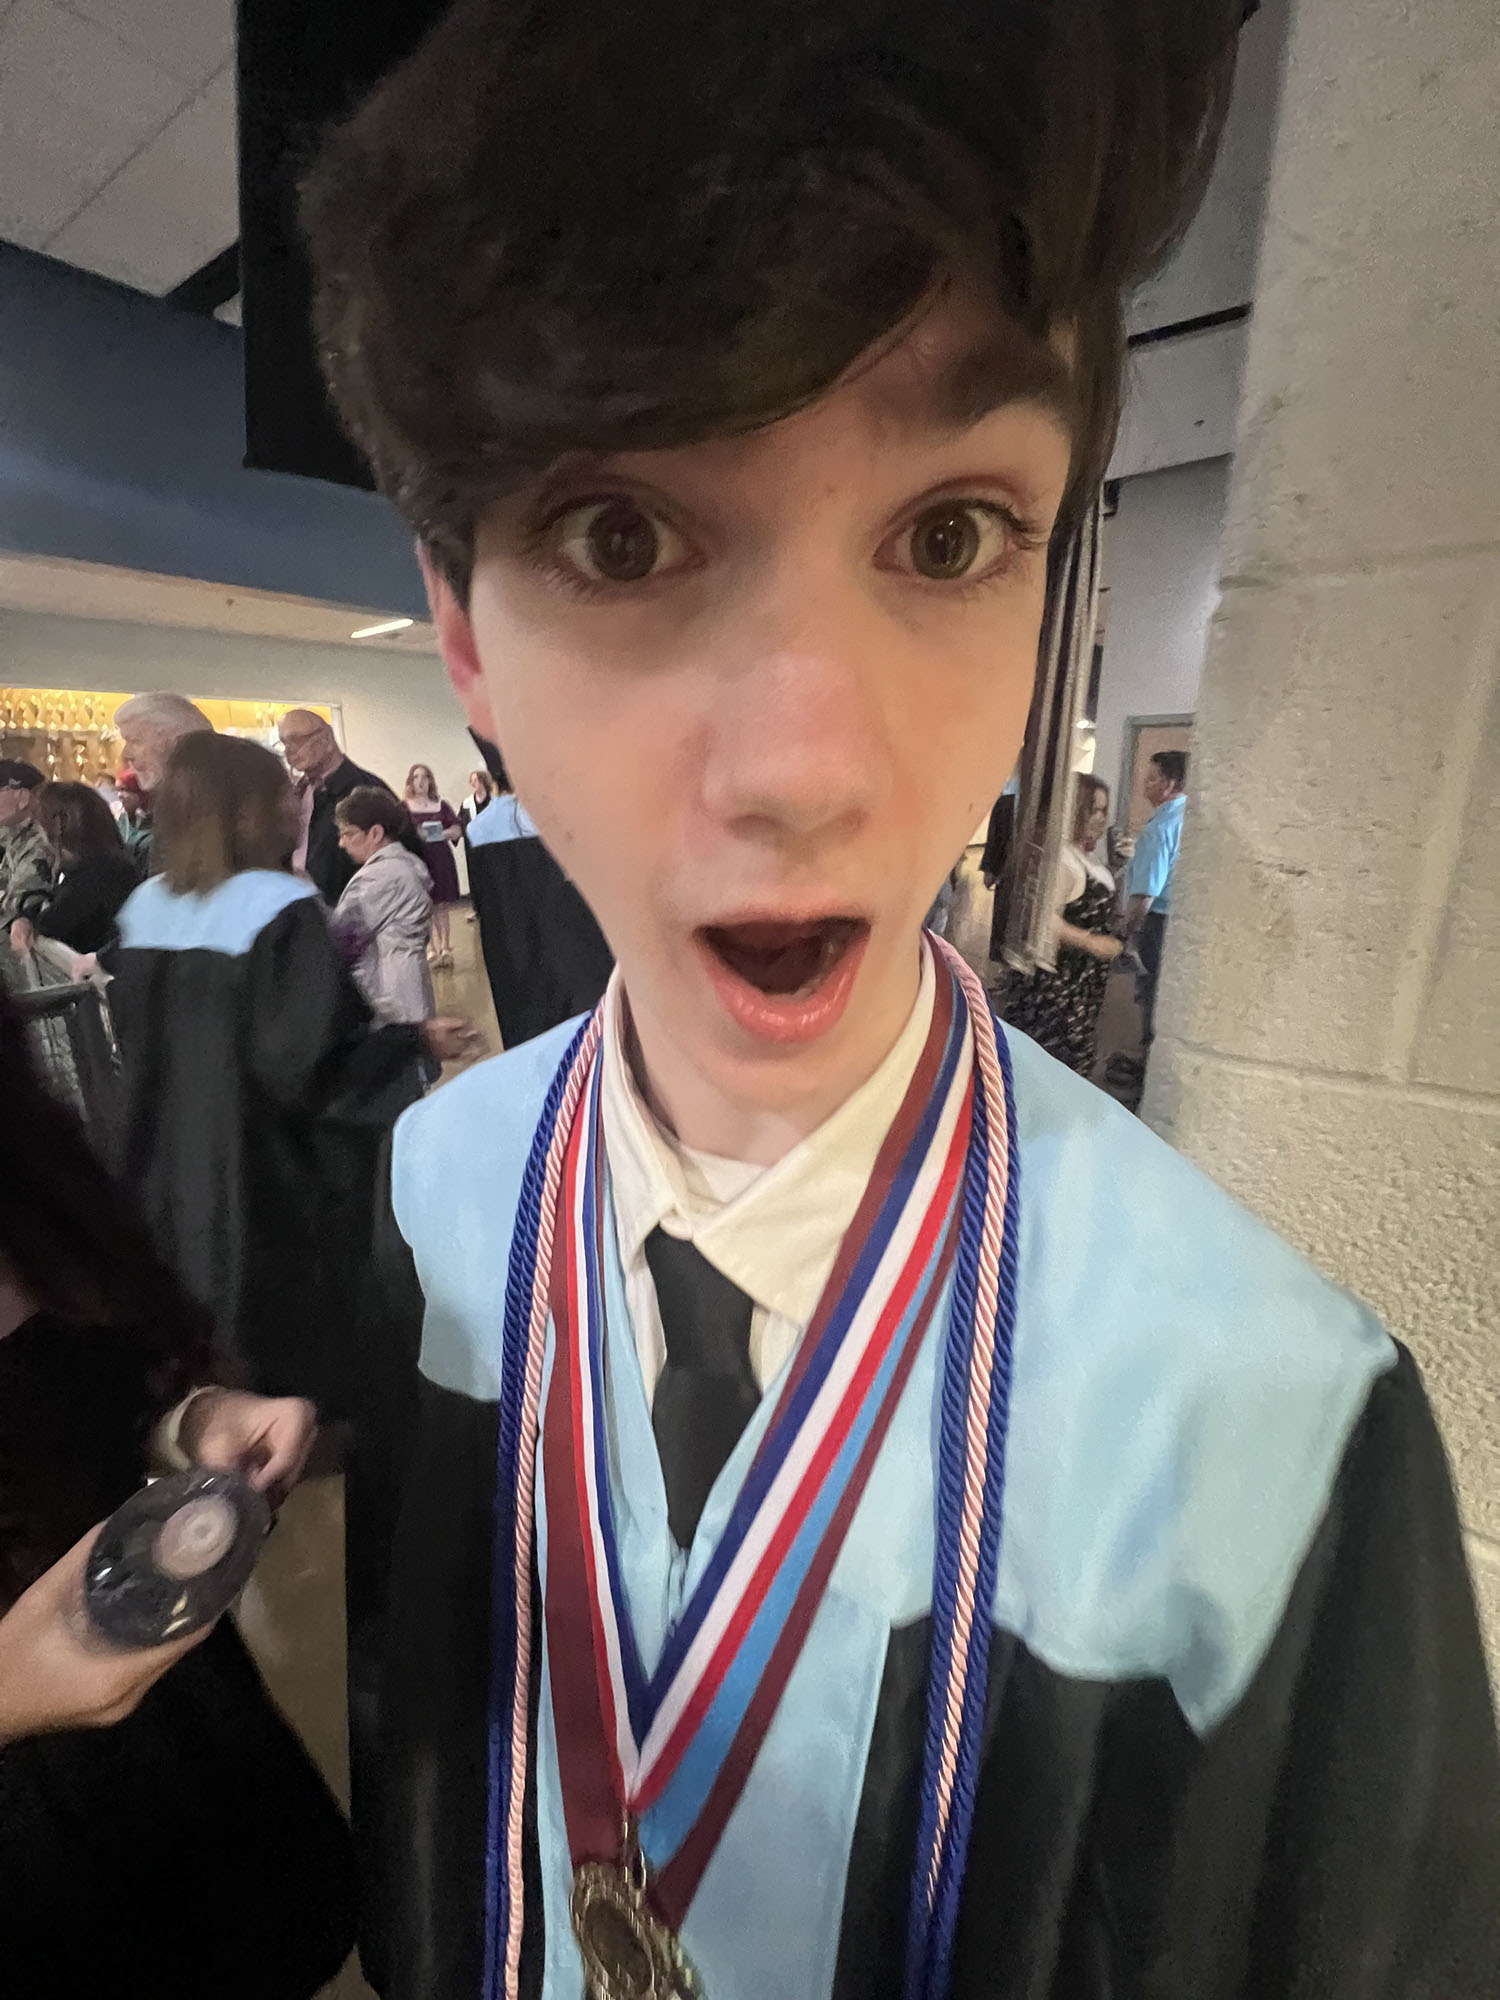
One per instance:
(1060, 1007)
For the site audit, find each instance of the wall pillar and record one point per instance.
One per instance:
(1329, 1043)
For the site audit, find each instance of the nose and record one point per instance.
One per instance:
(798, 750)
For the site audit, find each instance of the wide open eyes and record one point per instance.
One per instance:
(616, 541)
(955, 541)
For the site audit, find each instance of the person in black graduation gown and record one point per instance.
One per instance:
(736, 500)
(258, 1098)
(257, 1088)
(481, 791)
(544, 953)
(162, 1831)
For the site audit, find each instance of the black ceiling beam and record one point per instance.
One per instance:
(303, 64)
(210, 287)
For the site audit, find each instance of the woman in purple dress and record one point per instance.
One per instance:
(439, 831)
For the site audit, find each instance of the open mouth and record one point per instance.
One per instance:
(784, 961)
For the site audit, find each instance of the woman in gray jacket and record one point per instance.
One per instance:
(386, 910)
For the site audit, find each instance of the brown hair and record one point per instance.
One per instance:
(221, 808)
(1173, 765)
(432, 782)
(373, 805)
(77, 821)
(1086, 788)
(749, 198)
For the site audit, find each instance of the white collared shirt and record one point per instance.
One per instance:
(773, 1231)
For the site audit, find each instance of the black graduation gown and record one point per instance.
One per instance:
(544, 952)
(1332, 1834)
(1336, 1838)
(256, 1095)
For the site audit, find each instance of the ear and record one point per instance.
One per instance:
(456, 641)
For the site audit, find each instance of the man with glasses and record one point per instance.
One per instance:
(325, 775)
(25, 858)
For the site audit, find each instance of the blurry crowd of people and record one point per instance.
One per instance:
(263, 941)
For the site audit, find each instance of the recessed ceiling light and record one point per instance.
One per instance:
(379, 631)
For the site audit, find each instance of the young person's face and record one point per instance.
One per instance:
(758, 692)
(1094, 820)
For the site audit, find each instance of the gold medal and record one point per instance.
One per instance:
(628, 1952)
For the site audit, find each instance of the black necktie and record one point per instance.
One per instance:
(706, 1392)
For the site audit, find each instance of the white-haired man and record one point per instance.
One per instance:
(150, 725)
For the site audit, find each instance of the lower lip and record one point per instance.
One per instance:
(799, 1017)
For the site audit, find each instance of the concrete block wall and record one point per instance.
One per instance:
(1330, 1018)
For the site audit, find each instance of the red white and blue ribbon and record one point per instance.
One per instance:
(674, 1748)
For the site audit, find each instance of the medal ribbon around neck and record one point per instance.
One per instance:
(656, 1747)
(677, 1746)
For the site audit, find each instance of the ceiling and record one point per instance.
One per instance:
(117, 135)
(133, 597)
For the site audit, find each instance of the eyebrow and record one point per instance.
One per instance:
(992, 374)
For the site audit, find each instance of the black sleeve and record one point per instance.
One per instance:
(434, 1681)
(436, 1713)
(544, 954)
(1337, 1836)
(386, 1336)
(80, 912)
(1382, 1879)
(312, 1045)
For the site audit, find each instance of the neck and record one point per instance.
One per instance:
(322, 772)
(757, 1112)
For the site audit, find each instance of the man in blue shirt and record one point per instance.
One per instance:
(1148, 885)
